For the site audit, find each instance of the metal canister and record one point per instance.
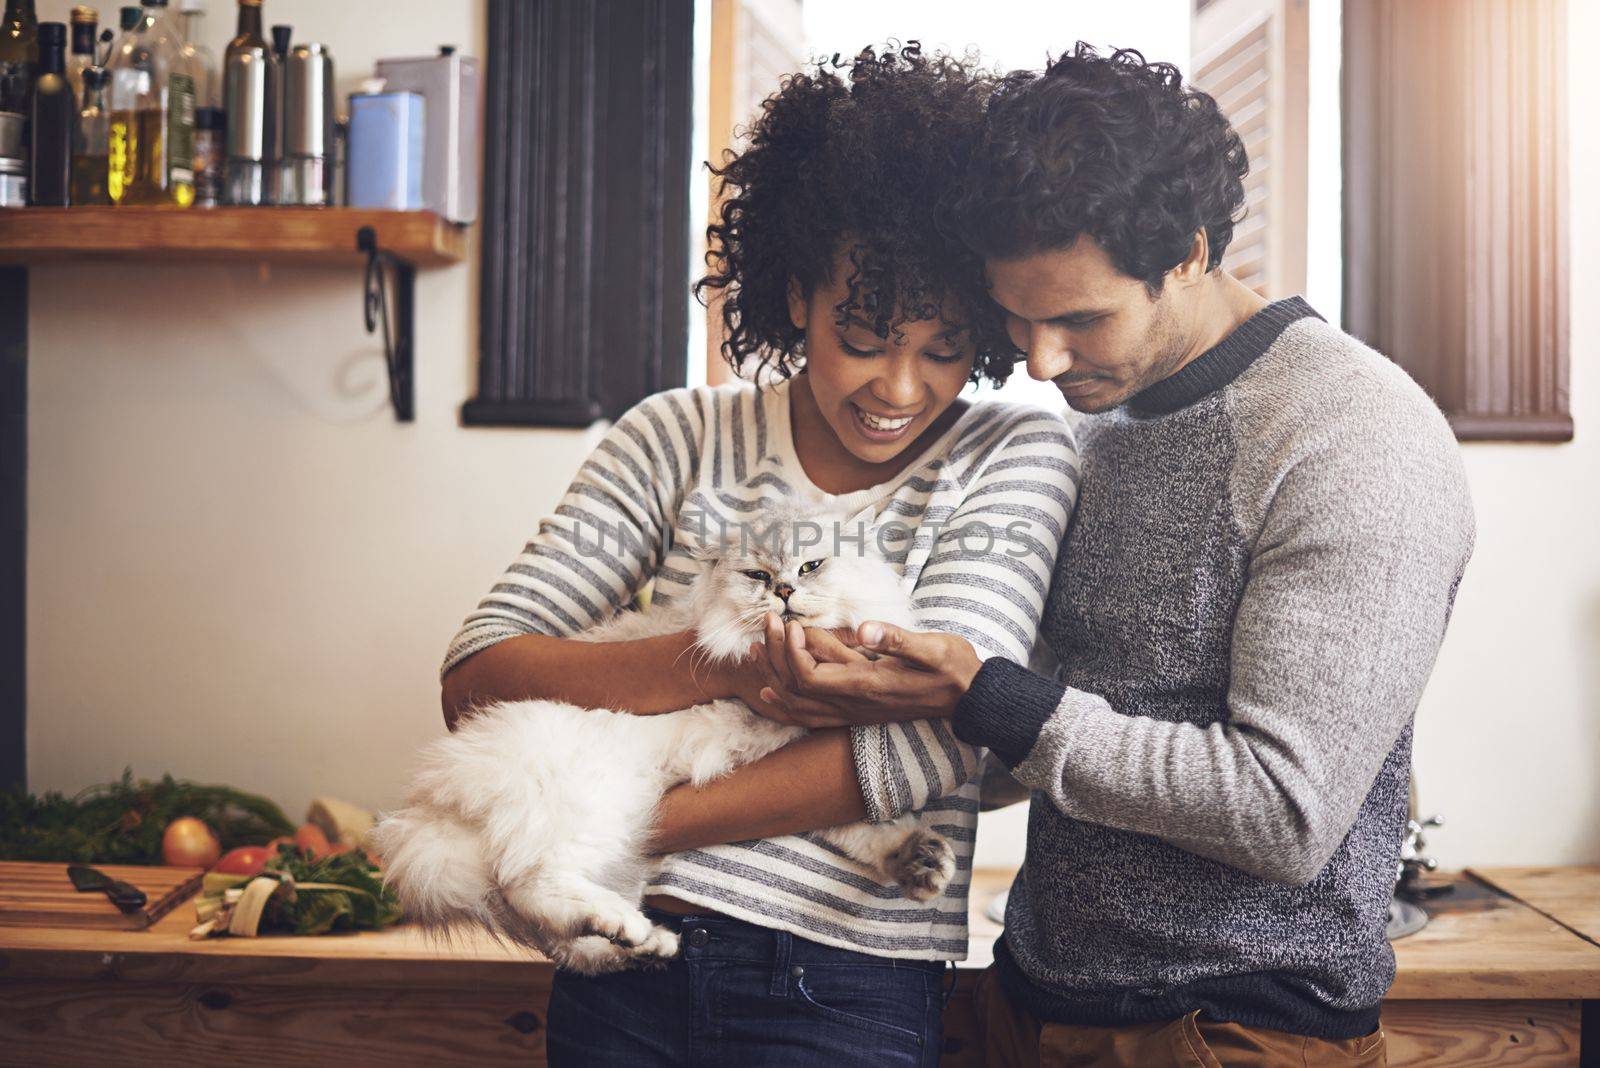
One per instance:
(278, 176)
(249, 82)
(309, 114)
(450, 83)
(13, 161)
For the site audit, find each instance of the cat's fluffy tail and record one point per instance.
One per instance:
(436, 866)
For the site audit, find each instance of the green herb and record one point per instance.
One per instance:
(122, 822)
(343, 892)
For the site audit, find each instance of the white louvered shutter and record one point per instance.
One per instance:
(1252, 56)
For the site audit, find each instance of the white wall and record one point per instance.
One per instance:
(241, 569)
(1508, 740)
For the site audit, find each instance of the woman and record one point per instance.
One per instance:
(836, 285)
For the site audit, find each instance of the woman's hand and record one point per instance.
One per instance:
(814, 679)
(745, 679)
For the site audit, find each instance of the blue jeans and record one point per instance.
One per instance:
(742, 996)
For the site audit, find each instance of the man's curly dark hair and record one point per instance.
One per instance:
(1110, 146)
(853, 157)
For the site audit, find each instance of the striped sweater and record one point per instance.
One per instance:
(686, 454)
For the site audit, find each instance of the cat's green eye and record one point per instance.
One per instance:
(810, 566)
(759, 576)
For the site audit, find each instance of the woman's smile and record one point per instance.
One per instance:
(880, 428)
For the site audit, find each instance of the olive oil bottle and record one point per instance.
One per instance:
(91, 170)
(119, 163)
(85, 23)
(151, 149)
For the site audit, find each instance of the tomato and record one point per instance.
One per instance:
(310, 838)
(246, 860)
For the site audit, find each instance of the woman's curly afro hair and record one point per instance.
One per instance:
(855, 158)
(1110, 146)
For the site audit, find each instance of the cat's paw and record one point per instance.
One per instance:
(591, 956)
(660, 946)
(625, 926)
(922, 864)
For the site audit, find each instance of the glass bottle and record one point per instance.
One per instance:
(202, 64)
(209, 154)
(180, 107)
(85, 21)
(132, 78)
(119, 158)
(19, 60)
(91, 147)
(50, 128)
(152, 114)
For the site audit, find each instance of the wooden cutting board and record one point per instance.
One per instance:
(41, 895)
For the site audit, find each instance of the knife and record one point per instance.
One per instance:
(125, 896)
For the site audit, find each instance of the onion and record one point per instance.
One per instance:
(189, 843)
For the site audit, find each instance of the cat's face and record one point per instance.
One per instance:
(817, 570)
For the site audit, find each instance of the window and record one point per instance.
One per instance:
(1455, 175)
(583, 307)
(754, 43)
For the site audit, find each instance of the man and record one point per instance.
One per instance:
(1271, 526)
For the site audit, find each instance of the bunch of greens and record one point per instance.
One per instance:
(315, 895)
(122, 822)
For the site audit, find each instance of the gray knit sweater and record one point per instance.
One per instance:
(1246, 608)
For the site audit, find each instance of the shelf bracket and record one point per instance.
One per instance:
(398, 351)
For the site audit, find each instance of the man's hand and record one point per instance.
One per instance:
(814, 679)
(746, 678)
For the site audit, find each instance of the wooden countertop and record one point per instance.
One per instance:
(1482, 943)
(398, 956)
(1569, 896)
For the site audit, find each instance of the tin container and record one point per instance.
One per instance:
(388, 133)
(453, 89)
(13, 182)
(308, 143)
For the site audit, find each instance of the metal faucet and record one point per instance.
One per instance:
(1414, 862)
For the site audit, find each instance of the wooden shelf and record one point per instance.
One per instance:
(293, 235)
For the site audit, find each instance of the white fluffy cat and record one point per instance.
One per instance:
(530, 819)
